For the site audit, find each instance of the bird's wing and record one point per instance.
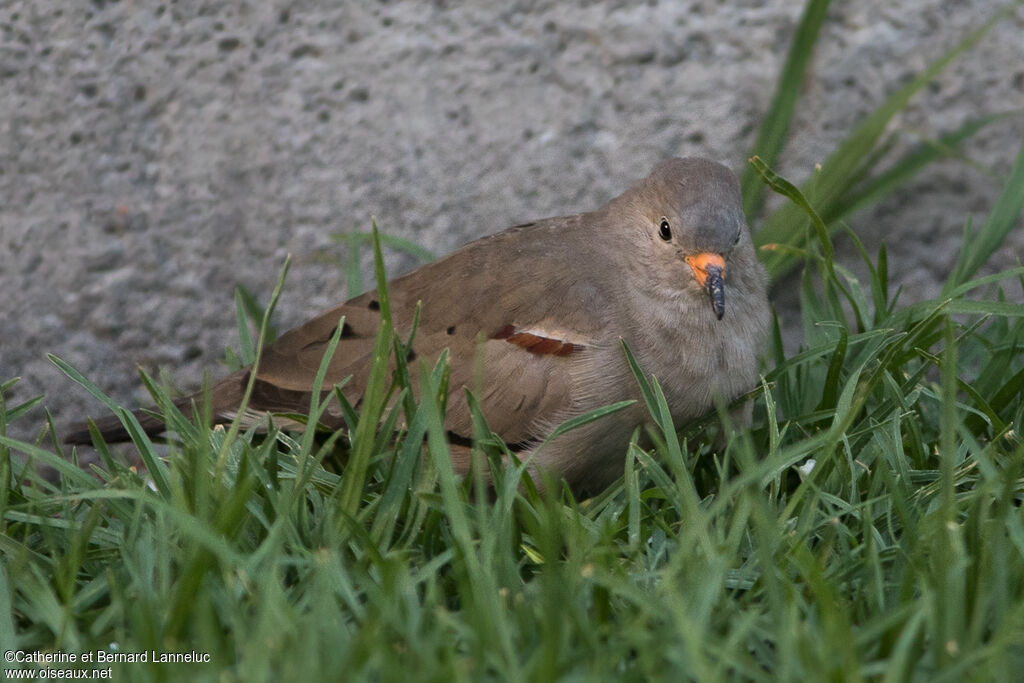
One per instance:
(511, 342)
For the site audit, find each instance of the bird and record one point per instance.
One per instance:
(534, 319)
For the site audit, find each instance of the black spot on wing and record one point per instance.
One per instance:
(347, 332)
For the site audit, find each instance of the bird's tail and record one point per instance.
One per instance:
(113, 431)
(225, 397)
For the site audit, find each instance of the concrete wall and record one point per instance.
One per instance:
(153, 154)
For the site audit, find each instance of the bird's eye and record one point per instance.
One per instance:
(665, 230)
(737, 240)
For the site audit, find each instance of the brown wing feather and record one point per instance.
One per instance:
(519, 392)
(292, 361)
(524, 378)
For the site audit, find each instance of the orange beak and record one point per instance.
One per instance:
(709, 270)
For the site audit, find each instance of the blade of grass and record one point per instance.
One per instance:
(354, 478)
(776, 121)
(262, 341)
(1003, 217)
(355, 240)
(902, 171)
(247, 347)
(787, 225)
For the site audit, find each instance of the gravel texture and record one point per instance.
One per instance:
(155, 154)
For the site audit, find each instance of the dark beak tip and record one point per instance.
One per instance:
(716, 292)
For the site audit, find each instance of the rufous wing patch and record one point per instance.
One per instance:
(537, 342)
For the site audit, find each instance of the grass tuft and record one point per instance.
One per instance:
(867, 525)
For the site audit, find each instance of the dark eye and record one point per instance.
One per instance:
(665, 230)
(737, 240)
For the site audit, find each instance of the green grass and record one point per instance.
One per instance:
(864, 167)
(899, 555)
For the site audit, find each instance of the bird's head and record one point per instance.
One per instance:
(685, 222)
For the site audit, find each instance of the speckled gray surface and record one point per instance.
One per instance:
(153, 154)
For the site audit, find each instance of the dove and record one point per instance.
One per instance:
(534, 317)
